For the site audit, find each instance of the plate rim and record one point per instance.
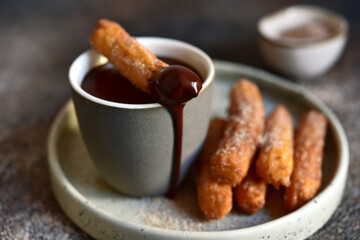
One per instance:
(220, 65)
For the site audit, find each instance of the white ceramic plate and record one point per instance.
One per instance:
(106, 214)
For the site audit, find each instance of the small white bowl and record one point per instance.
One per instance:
(302, 41)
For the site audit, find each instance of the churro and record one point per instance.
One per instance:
(250, 194)
(275, 161)
(129, 57)
(231, 161)
(214, 198)
(308, 151)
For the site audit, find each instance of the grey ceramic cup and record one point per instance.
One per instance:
(131, 145)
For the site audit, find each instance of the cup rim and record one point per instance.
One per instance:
(76, 85)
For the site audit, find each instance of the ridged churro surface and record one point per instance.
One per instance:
(275, 161)
(214, 198)
(250, 194)
(129, 57)
(236, 149)
(308, 151)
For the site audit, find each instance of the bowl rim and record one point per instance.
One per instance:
(341, 32)
(91, 53)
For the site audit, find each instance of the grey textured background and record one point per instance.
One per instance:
(39, 40)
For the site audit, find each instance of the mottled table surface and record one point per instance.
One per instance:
(39, 40)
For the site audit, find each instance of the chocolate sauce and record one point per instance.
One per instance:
(106, 83)
(171, 86)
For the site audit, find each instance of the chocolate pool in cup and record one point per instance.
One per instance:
(132, 145)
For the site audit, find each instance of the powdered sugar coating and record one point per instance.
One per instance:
(232, 159)
(275, 161)
(308, 151)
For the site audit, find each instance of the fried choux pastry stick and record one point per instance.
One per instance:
(129, 57)
(308, 151)
(236, 149)
(250, 194)
(275, 161)
(214, 198)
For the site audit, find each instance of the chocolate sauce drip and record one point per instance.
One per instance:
(176, 112)
(173, 86)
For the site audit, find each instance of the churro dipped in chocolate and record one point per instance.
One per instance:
(169, 85)
(236, 149)
(308, 152)
(214, 198)
(275, 161)
(250, 194)
(130, 58)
